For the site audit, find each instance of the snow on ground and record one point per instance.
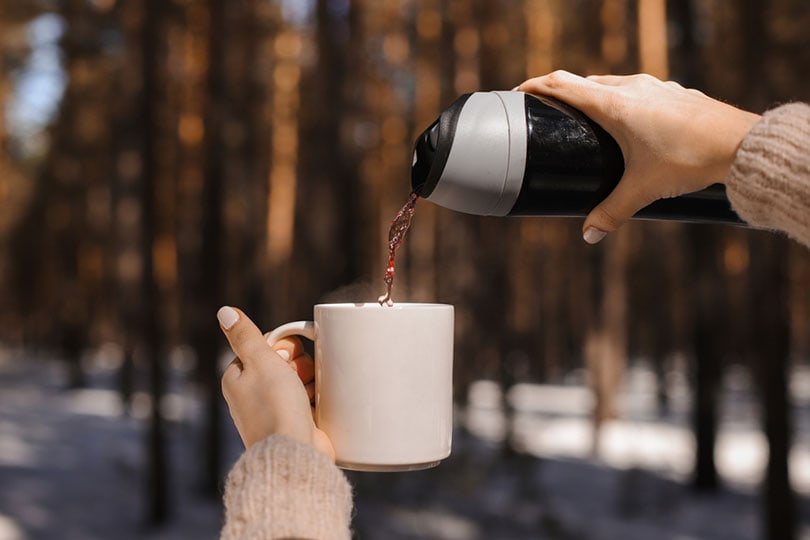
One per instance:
(552, 421)
(72, 465)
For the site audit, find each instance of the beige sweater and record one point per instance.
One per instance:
(281, 488)
(769, 181)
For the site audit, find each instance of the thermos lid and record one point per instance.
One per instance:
(472, 158)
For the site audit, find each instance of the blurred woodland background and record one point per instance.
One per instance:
(161, 158)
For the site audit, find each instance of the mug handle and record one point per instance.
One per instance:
(297, 328)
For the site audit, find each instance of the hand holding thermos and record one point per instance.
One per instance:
(562, 147)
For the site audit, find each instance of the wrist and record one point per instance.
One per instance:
(738, 129)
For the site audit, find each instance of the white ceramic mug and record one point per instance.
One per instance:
(383, 382)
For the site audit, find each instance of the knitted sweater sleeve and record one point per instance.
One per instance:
(769, 182)
(281, 488)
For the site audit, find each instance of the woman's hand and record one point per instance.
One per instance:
(675, 140)
(269, 389)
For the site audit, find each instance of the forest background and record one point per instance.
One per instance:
(161, 158)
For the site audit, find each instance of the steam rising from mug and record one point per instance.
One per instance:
(358, 293)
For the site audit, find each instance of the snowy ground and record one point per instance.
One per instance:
(72, 466)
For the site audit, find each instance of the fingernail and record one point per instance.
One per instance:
(515, 88)
(227, 317)
(592, 235)
(284, 354)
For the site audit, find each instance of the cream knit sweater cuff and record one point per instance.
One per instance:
(769, 182)
(281, 488)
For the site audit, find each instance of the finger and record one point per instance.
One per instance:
(245, 338)
(552, 82)
(292, 351)
(305, 367)
(229, 377)
(594, 99)
(235, 365)
(291, 344)
(613, 212)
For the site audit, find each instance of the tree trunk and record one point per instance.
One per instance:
(652, 38)
(542, 29)
(210, 342)
(769, 281)
(771, 350)
(606, 341)
(709, 335)
(426, 107)
(283, 185)
(151, 313)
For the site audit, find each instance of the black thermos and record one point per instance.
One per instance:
(515, 154)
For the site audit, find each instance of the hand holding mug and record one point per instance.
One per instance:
(269, 390)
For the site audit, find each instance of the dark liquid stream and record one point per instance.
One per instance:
(396, 234)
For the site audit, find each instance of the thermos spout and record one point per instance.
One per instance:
(423, 155)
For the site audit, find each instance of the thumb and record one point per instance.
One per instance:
(245, 338)
(614, 211)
